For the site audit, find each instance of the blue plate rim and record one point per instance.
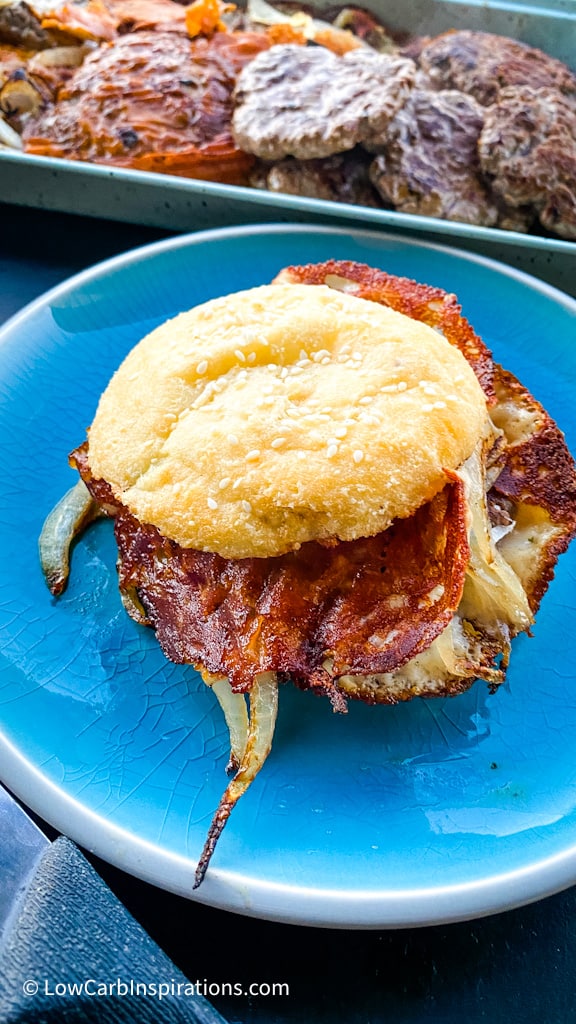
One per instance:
(213, 234)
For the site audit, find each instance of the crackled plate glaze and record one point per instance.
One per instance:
(426, 812)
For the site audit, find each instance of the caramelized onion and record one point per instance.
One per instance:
(315, 30)
(133, 605)
(59, 57)
(236, 714)
(19, 96)
(66, 520)
(263, 711)
(9, 137)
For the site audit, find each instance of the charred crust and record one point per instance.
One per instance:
(433, 306)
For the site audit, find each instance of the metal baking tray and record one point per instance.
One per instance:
(181, 204)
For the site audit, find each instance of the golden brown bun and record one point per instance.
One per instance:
(283, 414)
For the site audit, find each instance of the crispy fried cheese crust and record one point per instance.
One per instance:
(284, 414)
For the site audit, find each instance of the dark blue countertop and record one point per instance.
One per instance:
(516, 967)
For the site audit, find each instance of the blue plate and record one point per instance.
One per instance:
(426, 812)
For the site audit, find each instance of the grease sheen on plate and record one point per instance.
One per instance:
(430, 811)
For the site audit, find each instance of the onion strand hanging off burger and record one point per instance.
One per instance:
(326, 479)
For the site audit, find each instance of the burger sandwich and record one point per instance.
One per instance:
(327, 480)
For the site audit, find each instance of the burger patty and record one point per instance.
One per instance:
(428, 163)
(527, 151)
(481, 64)
(341, 178)
(308, 103)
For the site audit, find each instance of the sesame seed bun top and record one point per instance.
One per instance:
(287, 413)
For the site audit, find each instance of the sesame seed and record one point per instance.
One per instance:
(232, 439)
(402, 385)
(202, 367)
(366, 400)
(212, 504)
(439, 405)
(325, 360)
(340, 432)
(332, 450)
(253, 455)
(278, 442)
(251, 358)
(224, 482)
(358, 455)
(240, 355)
(246, 506)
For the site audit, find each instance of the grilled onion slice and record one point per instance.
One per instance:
(66, 520)
(263, 711)
(236, 714)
